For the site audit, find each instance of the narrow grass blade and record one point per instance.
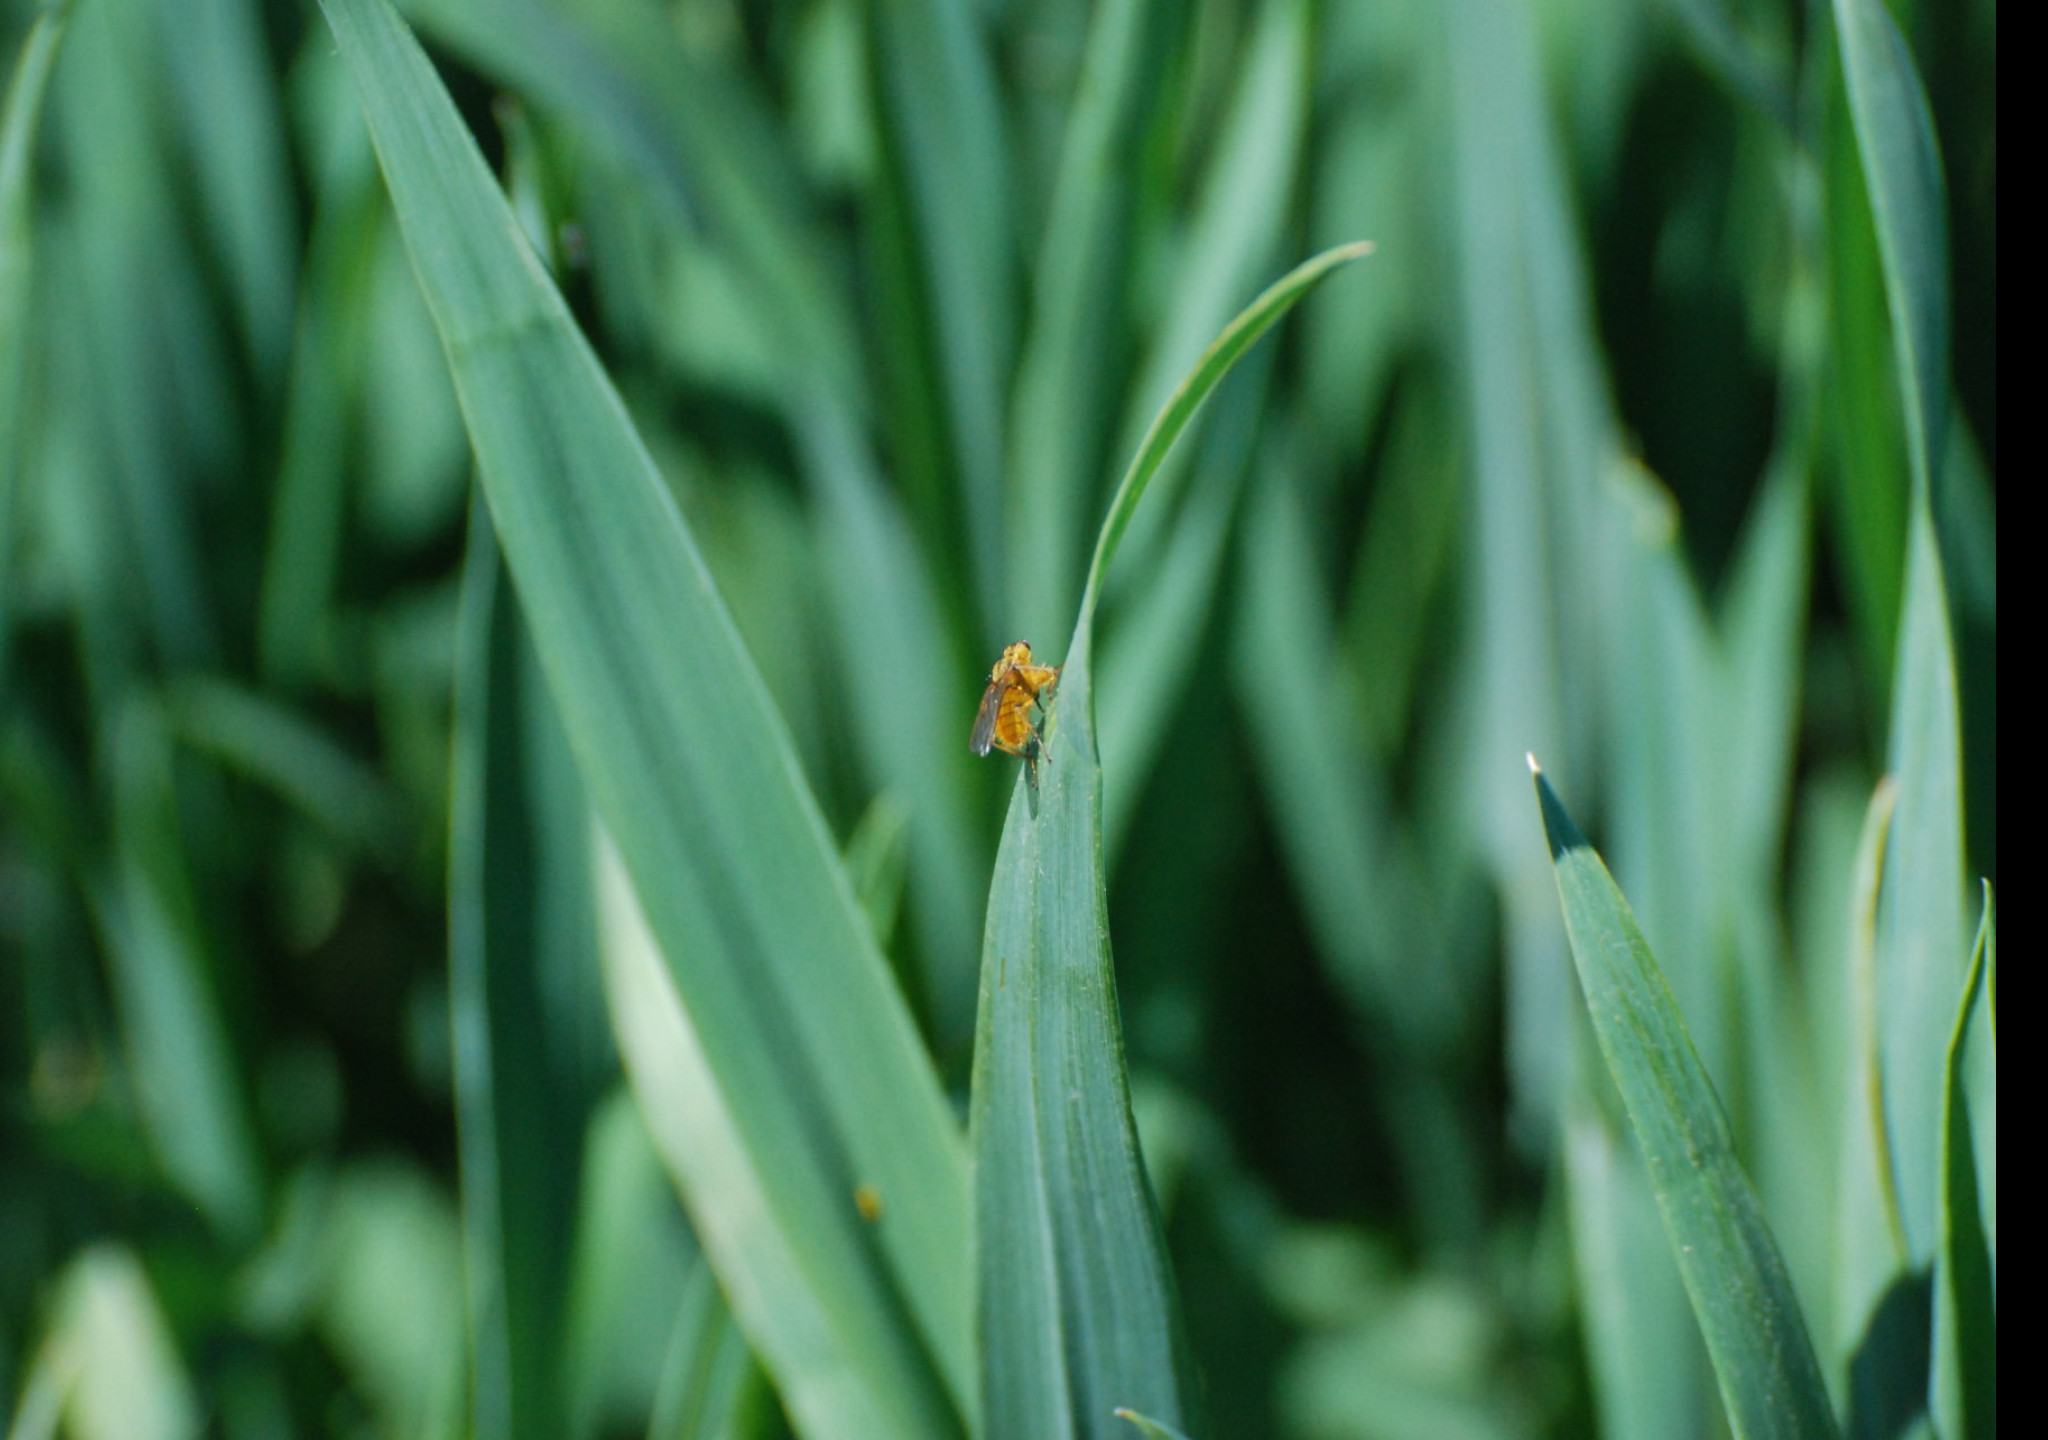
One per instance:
(1062, 407)
(1180, 407)
(705, 147)
(1237, 232)
(1964, 1398)
(1870, 1241)
(808, 1071)
(1920, 919)
(1921, 925)
(1077, 1309)
(709, 1380)
(1643, 1350)
(228, 105)
(936, 93)
(1902, 167)
(18, 125)
(520, 1101)
(1740, 1289)
(176, 1041)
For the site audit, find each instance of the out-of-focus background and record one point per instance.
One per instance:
(1602, 455)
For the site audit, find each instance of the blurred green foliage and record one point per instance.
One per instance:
(1606, 454)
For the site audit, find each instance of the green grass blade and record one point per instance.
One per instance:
(1173, 417)
(809, 1067)
(166, 987)
(520, 1100)
(1061, 409)
(709, 1381)
(1077, 1308)
(890, 626)
(1920, 918)
(1921, 922)
(18, 125)
(1870, 1242)
(1902, 167)
(623, 80)
(1643, 1349)
(1964, 1398)
(228, 104)
(936, 95)
(1740, 1289)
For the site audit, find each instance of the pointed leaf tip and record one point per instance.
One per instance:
(1558, 828)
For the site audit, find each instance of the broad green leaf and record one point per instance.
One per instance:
(1964, 1390)
(1077, 1308)
(807, 1078)
(18, 125)
(1741, 1292)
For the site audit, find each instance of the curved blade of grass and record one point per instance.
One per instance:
(1920, 917)
(811, 1077)
(1740, 1289)
(1964, 1398)
(1921, 925)
(1076, 1298)
(1237, 337)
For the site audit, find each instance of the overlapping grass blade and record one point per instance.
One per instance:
(1921, 925)
(936, 93)
(1964, 1391)
(1062, 404)
(628, 85)
(1741, 1292)
(1077, 1309)
(521, 1093)
(1643, 1347)
(228, 104)
(1234, 239)
(809, 1080)
(1902, 170)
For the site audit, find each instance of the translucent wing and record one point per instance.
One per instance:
(985, 720)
